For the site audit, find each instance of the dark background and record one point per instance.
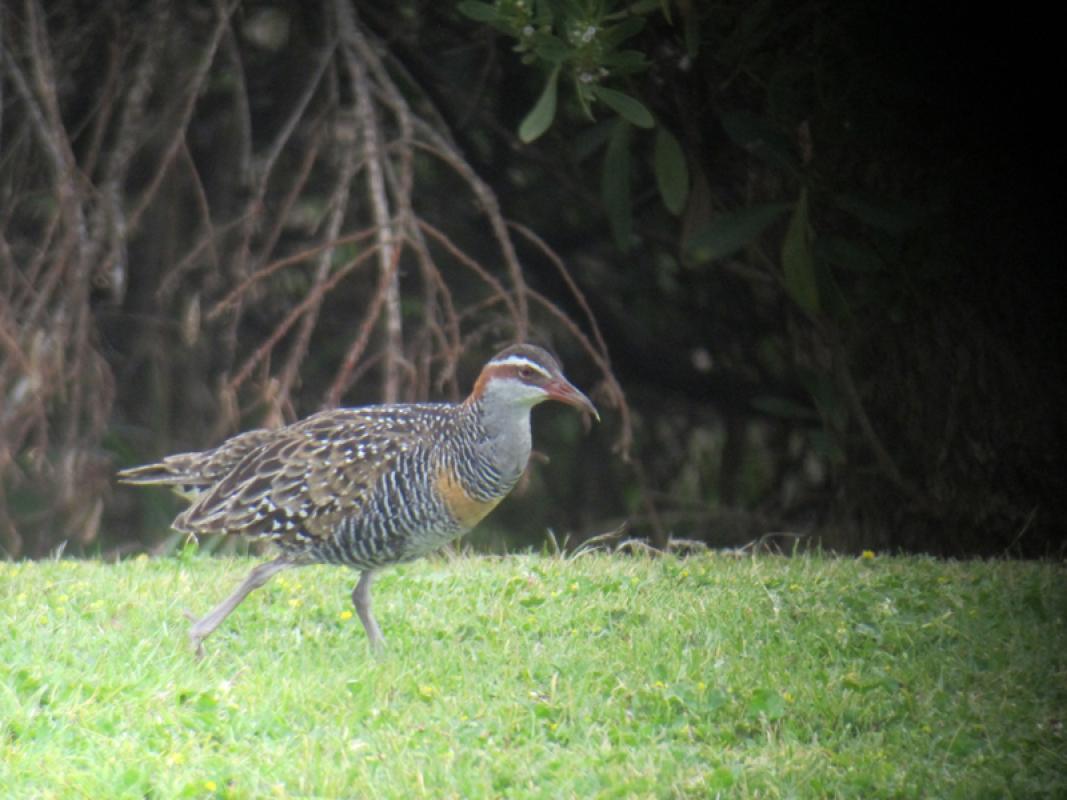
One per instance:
(156, 159)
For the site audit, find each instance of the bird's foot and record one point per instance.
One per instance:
(196, 635)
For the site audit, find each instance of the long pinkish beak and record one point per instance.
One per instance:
(566, 392)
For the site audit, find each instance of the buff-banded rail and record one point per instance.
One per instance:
(366, 487)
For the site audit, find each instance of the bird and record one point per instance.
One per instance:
(365, 487)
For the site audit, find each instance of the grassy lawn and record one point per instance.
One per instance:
(539, 677)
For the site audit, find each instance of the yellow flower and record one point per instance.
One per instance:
(867, 555)
(210, 786)
(345, 615)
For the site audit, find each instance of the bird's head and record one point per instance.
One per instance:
(526, 375)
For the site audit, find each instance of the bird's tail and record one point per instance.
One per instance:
(161, 473)
(180, 473)
(189, 474)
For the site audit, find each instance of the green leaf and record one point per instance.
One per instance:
(205, 704)
(831, 299)
(544, 111)
(728, 233)
(629, 108)
(615, 184)
(590, 139)
(711, 701)
(767, 703)
(584, 94)
(480, 12)
(798, 261)
(189, 549)
(672, 174)
(625, 62)
(720, 779)
(615, 35)
(550, 48)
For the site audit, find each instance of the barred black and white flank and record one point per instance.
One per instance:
(366, 487)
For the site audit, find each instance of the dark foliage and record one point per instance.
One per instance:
(832, 302)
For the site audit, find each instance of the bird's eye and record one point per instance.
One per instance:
(526, 373)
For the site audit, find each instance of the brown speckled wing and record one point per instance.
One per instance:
(200, 470)
(306, 477)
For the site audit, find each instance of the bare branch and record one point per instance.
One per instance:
(314, 297)
(441, 147)
(343, 380)
(579, 296)
(202, 205)
(467, 261)
(613, 391)
(192, 91)
(230, 300)
(339, 205)
(300, 180)
(265, 234)
(357, 55)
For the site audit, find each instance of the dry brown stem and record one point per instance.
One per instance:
(145, 194)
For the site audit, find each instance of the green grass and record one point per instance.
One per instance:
(539, 677)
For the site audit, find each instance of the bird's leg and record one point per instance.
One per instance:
(203, 627)
(361, 600)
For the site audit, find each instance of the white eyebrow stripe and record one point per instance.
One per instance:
(520, 361)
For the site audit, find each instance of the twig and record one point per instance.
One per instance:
(615, 395)
(572, 285)
(357, 55)
(300, 179)
(443, 149)
(881, 454)
(338, 205)
(301, 308)
(202, 205)
(344, 376)
(228, 302)
(441, 238)
(177, 271)
(192, 91)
